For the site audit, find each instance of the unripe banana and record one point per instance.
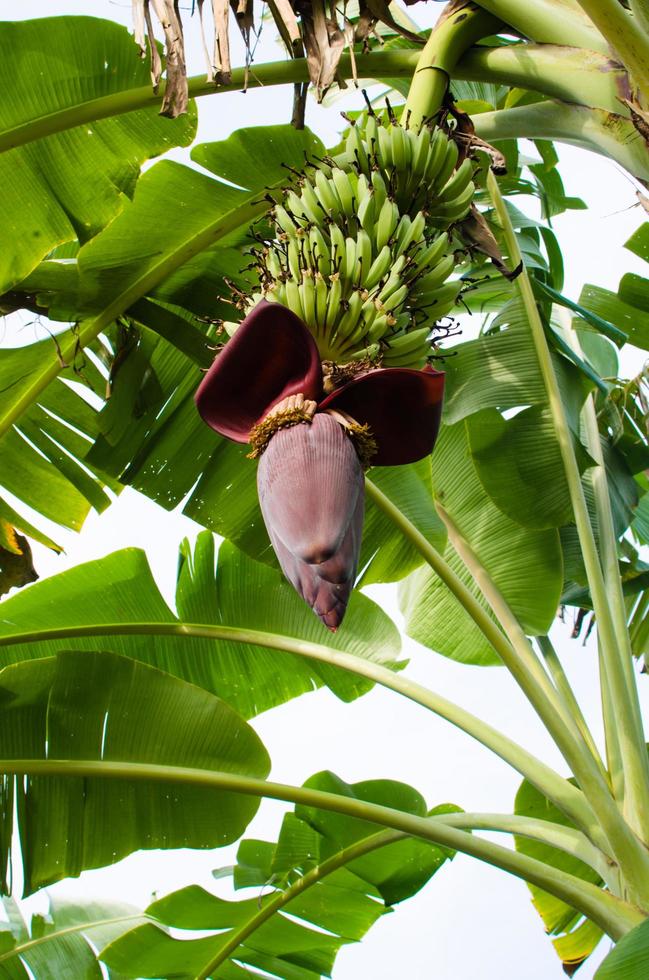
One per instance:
(356, 148)
(398, 297)
(428, 256)
(406, 343)
(379, 268)
(321, 298)
(386, 223)
(369, 353)
(438, 302)
(380, 189)
(349, 263)
(399, 152)
(456, 184)
(273, 264)
(311, 204)
(293, 298)
(295, 206)
(455, 210)
(385, 159)
(283, 220)
(378, 329)
(337, 247)
(294, 263)
(333, 302)
(415, 360)
(394, 280)
(326, 192)
(307, 290)
(346, 192)
(421, 145)
(363, 256)
(434, 278)
(436, 155)
(402, 230)
(350, 318)
(320, 250)
(447, 167)
(366, 215)
(371, 134)
(412, 234)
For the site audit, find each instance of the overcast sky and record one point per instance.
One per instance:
(471, 922)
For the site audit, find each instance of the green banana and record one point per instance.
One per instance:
(333, 302)
(386, 223)
(307, 290)
(363, 256)
(379, 267)
(348, 268)
(345, 190)
(434, 279)
(447, 167)
(455, 210)
(350, 317)
(457, 183)
(293, 298)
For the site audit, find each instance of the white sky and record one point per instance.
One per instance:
(471, 922)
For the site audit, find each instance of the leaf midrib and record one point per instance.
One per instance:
(69, 930)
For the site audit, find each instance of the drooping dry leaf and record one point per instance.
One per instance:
(16, 565)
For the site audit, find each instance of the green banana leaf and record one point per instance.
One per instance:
(62, 942)
(576, 937)
(176, 214)
(40, 458)
(331, 880)
(525, 563)
(120, 590)
(519, 465)
(81, 705)
(71, 184)
(629, 960)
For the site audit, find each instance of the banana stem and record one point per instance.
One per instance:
(450, 38)
(548, 22)
(603, 132)
(562, 684)
(636, 797)
(629, 851)
(521, 646)
(613, 754)
(625, 36)
(570, 74)
(524, 666)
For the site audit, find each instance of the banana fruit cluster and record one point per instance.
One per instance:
(362, 252)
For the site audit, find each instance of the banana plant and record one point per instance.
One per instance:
(320, 284)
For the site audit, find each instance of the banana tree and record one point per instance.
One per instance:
(301, 299)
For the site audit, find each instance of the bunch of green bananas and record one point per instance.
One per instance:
(362, 250)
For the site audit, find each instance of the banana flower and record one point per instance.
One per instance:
(314, 432)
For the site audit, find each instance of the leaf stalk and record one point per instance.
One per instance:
(631, 854)
(567, 797)
(613, 915)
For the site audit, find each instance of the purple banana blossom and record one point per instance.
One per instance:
(310, 478)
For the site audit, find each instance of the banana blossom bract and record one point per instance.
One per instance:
(310, 479)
